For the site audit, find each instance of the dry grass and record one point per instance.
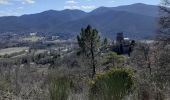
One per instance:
(33, 38)
(9, 51)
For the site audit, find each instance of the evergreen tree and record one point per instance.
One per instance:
(89, 41)
(104, 45)
(105, 42)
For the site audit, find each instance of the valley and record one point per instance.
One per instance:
(107, 53)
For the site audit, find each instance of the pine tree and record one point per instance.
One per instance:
(105, 42)
(89, 41)
(104, 45)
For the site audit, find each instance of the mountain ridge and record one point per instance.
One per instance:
(135, 19)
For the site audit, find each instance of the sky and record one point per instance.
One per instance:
(20, 7)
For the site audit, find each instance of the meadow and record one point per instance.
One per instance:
(9, 51)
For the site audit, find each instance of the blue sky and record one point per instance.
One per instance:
(19, 7)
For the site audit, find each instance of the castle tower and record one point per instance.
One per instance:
(120, 43)
(120, 38)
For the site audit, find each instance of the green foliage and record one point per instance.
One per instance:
(89, 41)
(112, 85)
(111, 59)
(5, 85)
(105, 42)
(6, 56)
(59, 88)
(104, 45)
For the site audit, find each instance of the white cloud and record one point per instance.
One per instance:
(71, 7)
(71, 2)
(28, 1)
(2, 13)
(5, 2)
(11, 12)
(113, 1)
(82, 7)
(87, 7)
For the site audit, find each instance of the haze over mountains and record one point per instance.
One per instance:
(136, 21)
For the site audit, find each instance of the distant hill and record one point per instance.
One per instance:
(40, 22)
(139, 8)
(136, 20)
(109, 23)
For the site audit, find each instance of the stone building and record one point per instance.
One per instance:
(123, 45)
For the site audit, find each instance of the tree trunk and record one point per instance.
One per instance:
(93, 61)
(94, 65)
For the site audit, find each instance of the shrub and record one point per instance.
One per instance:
(5, 86)
(112, 85)
(112, 59)
(59, 88)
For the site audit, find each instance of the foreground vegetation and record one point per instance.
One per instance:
(43, 69)
(114, 84)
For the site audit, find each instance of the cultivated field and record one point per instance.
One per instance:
(33, 38)
(9, 51)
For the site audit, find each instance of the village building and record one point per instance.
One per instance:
(123, 45)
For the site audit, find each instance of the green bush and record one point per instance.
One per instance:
(5, 85)
(112, 59)
(59, 88)
(112, 85)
